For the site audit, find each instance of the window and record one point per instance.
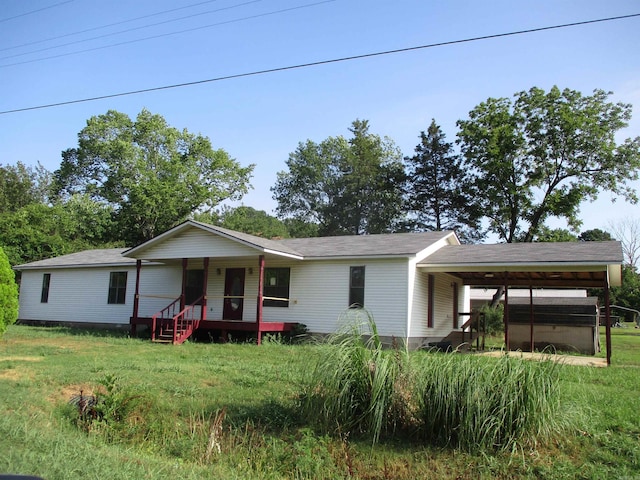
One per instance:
(276, 284)
(356, 287)
(194, 286)
(117, 287)
(431, 300)
(46, 280)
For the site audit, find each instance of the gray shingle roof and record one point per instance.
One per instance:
(396, 244)
(522, 253)
(86, 258)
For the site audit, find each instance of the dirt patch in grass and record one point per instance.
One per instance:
(70, 391)
(20, 359)
(16, 374)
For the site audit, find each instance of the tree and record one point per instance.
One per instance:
(151, 174)
(8, 294)
(555, 235)
(544, 154)
(435, 192)
(628, 232)
(345, 186)
(247, 220)
(21, 185)
(595, 235)
(628, 294)
(40, 231)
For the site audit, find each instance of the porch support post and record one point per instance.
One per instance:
(506, 313)
(531, 316)
(203, 308)
(607, 313)
(136, 301)
(183, 296)
(260, 299)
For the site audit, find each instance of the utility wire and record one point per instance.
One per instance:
(321, 62)
(34, 11)
(132, 29)
(101, 27)
(161, 35)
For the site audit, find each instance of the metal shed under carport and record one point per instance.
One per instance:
(534, 265)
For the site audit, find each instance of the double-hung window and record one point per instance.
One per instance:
(276, 286)
(356, 287)
(117, 288)
(46, 281)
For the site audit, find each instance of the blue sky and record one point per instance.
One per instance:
(260, 119)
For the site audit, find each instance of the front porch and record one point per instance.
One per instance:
(228, 301)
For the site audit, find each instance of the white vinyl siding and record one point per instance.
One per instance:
(195, 243)
(442, 303)
(319, 293)
(75, 295)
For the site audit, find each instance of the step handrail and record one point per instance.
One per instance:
(170, 313)
(184, 323)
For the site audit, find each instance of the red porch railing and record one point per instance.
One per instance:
(173, 324)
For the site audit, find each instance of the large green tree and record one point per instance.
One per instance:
(152, 174)
(436, 196)
(543, 154)
(247, 220)
(21, 185)
(345, 186)
(8, 294)
(39, 231)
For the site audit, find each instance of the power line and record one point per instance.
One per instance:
(193, 29)
(101, 27)
(34, 11)
(321, 62)
(171, 20)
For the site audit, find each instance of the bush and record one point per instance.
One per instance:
(493, 318)
(8, 294)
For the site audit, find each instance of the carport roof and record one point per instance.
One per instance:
(569, 264)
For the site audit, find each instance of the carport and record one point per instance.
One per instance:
(534, 265)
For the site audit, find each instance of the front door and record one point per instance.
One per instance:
(233, 288)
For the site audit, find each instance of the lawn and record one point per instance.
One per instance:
(199, 411)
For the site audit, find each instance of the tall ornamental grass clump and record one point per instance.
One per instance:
(356, 385)
(472, 403)
(462, 401)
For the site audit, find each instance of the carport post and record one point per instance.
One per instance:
(506, 313)
(607, 313)
(531, 315)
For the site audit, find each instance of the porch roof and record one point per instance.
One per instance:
(562, 264)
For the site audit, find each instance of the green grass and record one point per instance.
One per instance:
(232, 411)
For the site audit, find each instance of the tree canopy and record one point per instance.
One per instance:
(436, 195)
(151, 174)
(247, 220)
(345, 186)
(543, 154)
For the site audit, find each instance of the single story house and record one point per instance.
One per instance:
(416, 285)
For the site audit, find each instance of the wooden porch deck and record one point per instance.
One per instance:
(225, 327)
